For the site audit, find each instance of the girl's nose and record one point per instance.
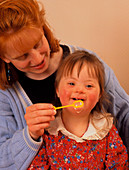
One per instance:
(80, 89)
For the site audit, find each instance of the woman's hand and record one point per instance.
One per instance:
(38, 117)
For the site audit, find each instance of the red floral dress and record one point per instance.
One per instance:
(62, 153)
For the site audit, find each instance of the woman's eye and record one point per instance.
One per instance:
(38, 45)
(71, 84)
(23, 57)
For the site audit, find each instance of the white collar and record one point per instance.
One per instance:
(98, 128)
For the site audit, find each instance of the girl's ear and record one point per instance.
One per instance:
(100, 95)
(57, 92)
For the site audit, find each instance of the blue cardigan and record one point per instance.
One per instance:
(18, 149)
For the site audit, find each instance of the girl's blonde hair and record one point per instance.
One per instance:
(17, 18)
(95, 69)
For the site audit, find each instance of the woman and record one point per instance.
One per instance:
(29, 58)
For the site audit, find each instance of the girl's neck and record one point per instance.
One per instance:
(75, 125)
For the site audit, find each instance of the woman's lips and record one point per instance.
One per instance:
(39, 66)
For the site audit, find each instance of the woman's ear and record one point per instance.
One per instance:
(5, 59)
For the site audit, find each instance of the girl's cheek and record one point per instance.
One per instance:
(64, 96)
(94, 94)
(63, 93)
(94, 98)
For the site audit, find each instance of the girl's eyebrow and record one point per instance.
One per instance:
(70, 78)
(86, 80)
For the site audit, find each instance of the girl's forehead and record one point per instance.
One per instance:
(77, 69)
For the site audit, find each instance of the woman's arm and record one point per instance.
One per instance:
(41, 161)
(17, 149)
(119, 104)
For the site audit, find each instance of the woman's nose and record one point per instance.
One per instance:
(35, 57)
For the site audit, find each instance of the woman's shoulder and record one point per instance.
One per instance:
(73, 48)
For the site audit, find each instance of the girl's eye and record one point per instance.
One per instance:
(89, 86)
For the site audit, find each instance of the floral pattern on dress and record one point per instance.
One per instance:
(61, 153)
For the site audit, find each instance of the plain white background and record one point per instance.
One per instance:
(98, 25)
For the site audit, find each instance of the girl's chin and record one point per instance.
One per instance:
(72, 110)
(78, 110)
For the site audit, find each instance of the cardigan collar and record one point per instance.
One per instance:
(98, 127)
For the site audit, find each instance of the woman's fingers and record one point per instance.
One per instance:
(38, 117)
(39, 106)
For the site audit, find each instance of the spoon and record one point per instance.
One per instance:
(76, 104)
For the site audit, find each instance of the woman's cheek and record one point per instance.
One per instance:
(20, 65)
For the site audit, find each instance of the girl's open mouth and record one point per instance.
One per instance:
(78, 99)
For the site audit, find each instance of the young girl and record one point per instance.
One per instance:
(84, 137)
